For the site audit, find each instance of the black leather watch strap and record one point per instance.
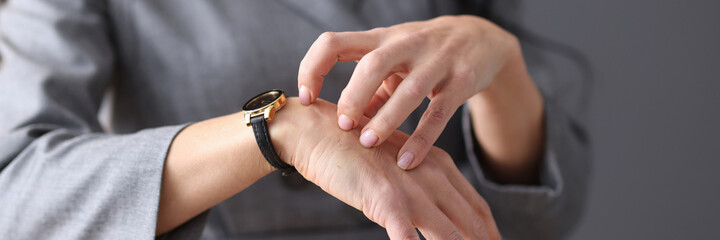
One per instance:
(262, 137)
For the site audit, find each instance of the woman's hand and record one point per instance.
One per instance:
(447, 59)
(212, 160)
(435, 198)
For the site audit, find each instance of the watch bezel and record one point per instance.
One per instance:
(267, 111)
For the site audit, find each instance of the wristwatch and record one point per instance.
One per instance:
(257, 112)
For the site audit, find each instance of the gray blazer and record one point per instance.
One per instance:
(168, 63)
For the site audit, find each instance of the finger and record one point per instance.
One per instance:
(369, 74)
(431, 125)
(400, 228)
(382, 95)
(448, 198)
(378, 100)
(406, 98)
(325, 52)
(433, 224)
(461, 213)
(470, 194)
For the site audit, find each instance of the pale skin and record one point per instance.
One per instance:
(435, 197)
(450, 60)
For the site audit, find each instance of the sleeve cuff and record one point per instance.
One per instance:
(506, 197)
(547, 210)
(191, 229)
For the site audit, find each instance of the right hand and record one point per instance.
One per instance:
(435, 198)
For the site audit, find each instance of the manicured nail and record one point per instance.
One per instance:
(368, 138)
(304, 95)
(405, 160)
(345, 122)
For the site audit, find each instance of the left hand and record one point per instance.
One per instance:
(435, 198)
(447, 59)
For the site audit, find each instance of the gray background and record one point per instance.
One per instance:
(654, 114)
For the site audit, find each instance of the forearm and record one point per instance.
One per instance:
(209, 162)
(507, 119)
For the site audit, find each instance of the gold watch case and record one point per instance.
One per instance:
(264, 104)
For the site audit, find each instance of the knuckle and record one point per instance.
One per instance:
(414, 38)
(437, 152)
(455, 235)
(441, 157)
(433, 168)
(478, 227)
(377, 31)
(484, 207)
(504, 36)
(329, 39)
(452, 45)
(442, 18)
(409, 234)
(382, 123)
(416, 89)
(437, 114)
(443, 58)
(387, 190)
(374, 61)
(377, 208)
(463, 73)
(511, 38)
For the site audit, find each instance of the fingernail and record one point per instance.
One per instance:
(345, 122)
(368, 138)
(304, 95)
(405, 160)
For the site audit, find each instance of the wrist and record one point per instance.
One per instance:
(208, 162)
(297, 130)
(507, 119)
(512, 78)
(285, 130)
(244, 138)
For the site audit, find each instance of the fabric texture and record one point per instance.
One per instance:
(167, 63)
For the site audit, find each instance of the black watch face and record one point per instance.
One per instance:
(262, 100)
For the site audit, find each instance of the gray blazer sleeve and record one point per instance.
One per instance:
(61, 177)
(551, 209)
